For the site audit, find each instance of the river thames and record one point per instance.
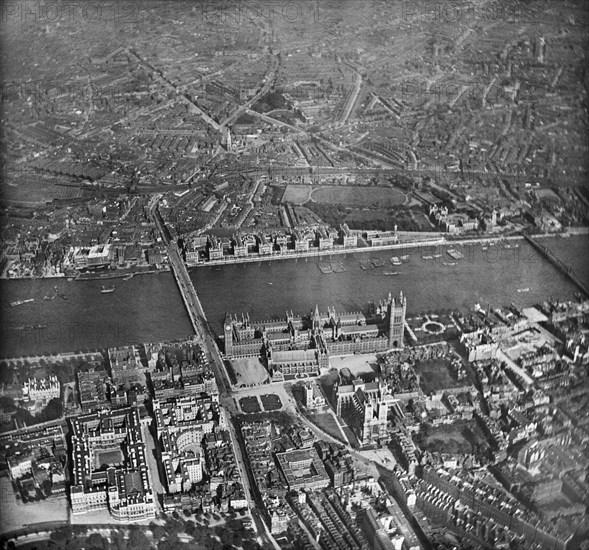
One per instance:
(149, 307)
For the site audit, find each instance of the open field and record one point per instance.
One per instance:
(384, 217)
(435, 375)
(381, 197)
(108, 457)
(271, 402)
(351, 437)
(461, 437)
(249, 370)
(327, 422)
(250, 404)
(356, 196)
(15, 515)
(297, 194)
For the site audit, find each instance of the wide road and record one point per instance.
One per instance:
(269, 81)
(353, 97)
(275, 121)
(204, 335)
(193, 305)
(153, 467)
(157, 75)
(259, 524)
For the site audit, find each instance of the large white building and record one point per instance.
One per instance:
(105, 477)
(42, 390)
(181, 424)
(19, 465)
(94, 256)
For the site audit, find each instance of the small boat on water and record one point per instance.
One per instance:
(448, 263)
(105, 290)
(31, 327)
(49, 297)
(20, 302)
(325, 268)
(404, 258)
(396, 261)
(127, 277)
(437, 256)
(427, 257)
(455, 254)
(523, 289)
(391, 273)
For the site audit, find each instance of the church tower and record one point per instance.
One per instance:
(309, 400)
(396, 320)
(316, 320)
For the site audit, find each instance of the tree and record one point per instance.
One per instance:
(118, 540)
(52, 411)
(174, 526)
(190, 528)
(46, 487)
(7, 403)
(62, 535)
(158, 532)
(228, 537)
(95, 541)
(170, 543)
(138, 540)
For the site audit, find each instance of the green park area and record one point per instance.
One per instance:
(460, 437)
(436, 375)
(355, 196)
(271, 402)
(179, 530)
(249, 404)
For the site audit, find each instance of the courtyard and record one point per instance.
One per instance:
(249, 371)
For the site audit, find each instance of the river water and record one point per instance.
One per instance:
(143, 309)
(149, 307)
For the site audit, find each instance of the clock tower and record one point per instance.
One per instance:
(228, 332)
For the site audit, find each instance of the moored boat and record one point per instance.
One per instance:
(20, 302)
(455, 254)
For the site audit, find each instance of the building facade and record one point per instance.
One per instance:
(104, 476)
(303, 344)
